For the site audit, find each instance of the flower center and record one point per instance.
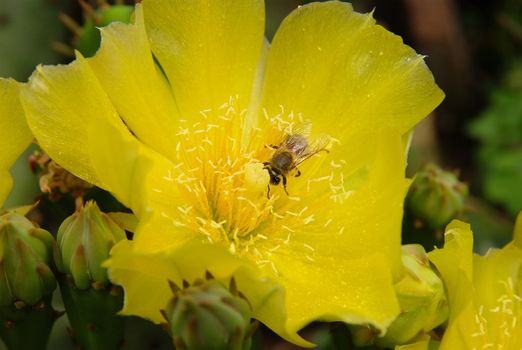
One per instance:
(249, 189)
(498, 326)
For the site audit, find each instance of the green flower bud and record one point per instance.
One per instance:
(436, 196)
(84, 242)
(207, 315)
(421, 297)
(25, 255)
(89, 38)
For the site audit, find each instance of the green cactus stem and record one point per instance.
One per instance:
(93, 315)
(27, 327)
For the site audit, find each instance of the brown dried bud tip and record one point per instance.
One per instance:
(54, 179)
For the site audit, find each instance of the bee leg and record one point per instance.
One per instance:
(271, 146)
(298, 173)
(284, 184)
(268, 191)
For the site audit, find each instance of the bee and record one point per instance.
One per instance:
(292, 151)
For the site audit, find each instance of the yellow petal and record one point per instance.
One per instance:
(126, 221)
(145, 277)
(348, 247)
(364, 218)
(372, 214)
(455, 264)
(128, 169)
(498, 265)
(346, 74)
(209, 50)
(337, 288)
(126, 70)
(456, 259)
(484, 292)
(61, 103)
(15, 136)
(87, 136)
(267, 298)
(146, 182)
(457, 335)
(159, 231)
(497, 282)
(264, 294)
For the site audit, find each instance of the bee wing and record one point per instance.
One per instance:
(296, 144)
(303, 128)
(319, 144)
(294, 137)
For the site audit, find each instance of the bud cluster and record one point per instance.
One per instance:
(25, 261)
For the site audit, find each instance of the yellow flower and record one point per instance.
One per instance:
(15, 136)
(485, 292)
(180, 136)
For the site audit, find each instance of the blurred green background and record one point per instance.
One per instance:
(474, 49)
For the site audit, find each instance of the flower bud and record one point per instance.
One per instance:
(207, 315)
(25, 255)
(84, 242)
(421, 297)
(89, 38)
(436, 196)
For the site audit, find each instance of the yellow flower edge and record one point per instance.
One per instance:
(485, 292)
(183, 146)
(146, 293)
(15, 135)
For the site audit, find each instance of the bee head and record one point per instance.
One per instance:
(275, 179)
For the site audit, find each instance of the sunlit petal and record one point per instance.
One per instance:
(61, 104)
(209, 50)
(15, 135)
(126, 70)
(337, 67)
